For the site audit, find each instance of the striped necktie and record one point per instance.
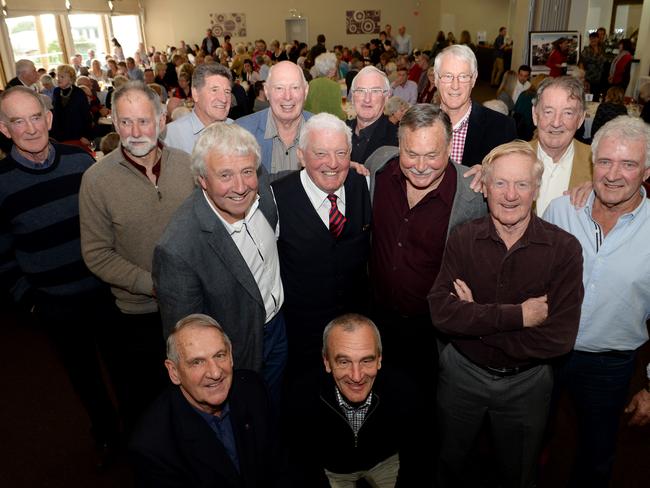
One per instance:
(337, 219)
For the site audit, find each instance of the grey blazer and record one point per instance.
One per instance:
(197, 268)
(468, 205)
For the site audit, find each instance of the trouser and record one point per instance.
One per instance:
(275, 357)
(136, 363)
(382, 475)
(516, 408)
(74, 325)
(497, 71)
(598, 385)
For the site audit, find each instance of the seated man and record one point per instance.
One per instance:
(508, 294)
(353, 423)
(213, 427)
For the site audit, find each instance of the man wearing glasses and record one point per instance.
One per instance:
(371, 129)
(476, 129)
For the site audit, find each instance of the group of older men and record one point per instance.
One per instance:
(275, 263)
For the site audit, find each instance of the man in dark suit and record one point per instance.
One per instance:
(371, 129)
(324, 238)
(218, 255)
(213, 427)
(476, 129)
(210, 43)
(26, 74)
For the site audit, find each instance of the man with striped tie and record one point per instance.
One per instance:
(324, 238)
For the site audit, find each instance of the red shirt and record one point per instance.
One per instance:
(407, 243)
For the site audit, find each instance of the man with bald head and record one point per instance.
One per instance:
(371, 129)
(277, 128)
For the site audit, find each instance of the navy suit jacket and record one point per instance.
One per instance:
(487, 129)
(173, 446)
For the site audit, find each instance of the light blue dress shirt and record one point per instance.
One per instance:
(616, 275)
(184, 132)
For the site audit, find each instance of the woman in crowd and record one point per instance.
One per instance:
(466, 39)
(523, 110)
(118, 52)
(558, 57)
(184, 88)
(395, 109)
(507, 89)
(619, 71)
(72, 121)
(426, 95)
(611, 108)
(96, 72)
(278, 53)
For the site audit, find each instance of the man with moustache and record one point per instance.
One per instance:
(212, 94)
(125, 202)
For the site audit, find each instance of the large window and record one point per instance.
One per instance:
(87, 33)
(35, 38)
(126, 29)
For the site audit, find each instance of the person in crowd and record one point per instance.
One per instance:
(523, 110)
(476, 130)
(593, 60)
(184, 89)
(26, 74)
(260, 102)
(324, 237)
(324, 91)
(427, 93)
(497, 105)
(395, 109)
(211, 92)
(248, 73)
(466, 40)
(506, 90)
(109, 142)
(523, 81)
(72, 122)
(508, 296)
(612, 107)
(277, 128)
(499, 47)
(41, 265)
(134, 71)
(278, 53)
(125, 202)
(419, 195)
(96, 72)
(619, 71)
(218, 254)
(47, 82)
(211, 427)
(558, 112)
(352, 423)
(613, 228)
(371, 129)
(557, 60)
(404, 88)
(402, 41)
(210, 43)
(118, 52)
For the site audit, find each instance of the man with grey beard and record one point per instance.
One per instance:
(125, 202)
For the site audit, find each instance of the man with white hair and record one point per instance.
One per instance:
(476, 129)
(371, 129)
(212, 94)
(218, 255)
(402, 41)
(125, 202)
(277, 128)
(325, 93)
(26, 74)
(614, 230)
(324, 238)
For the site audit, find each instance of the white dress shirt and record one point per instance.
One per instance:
(318, 198)
(556, 177)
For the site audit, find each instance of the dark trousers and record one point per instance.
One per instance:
(598, 387)
(75, 326)
(136, 363)
(275, 357)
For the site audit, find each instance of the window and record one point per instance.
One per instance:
(87, 33)
(36, 38)
(126, 29)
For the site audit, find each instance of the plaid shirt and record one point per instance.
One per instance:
(355, 416)
(459, 134)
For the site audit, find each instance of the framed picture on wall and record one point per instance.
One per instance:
(542, 45)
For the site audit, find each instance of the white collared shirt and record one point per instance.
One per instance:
(556, 177)
(318, 198)
(256, 242)
(519, 89)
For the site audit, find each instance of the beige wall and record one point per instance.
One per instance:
(168, 21)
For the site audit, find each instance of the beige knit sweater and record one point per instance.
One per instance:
(122, 215)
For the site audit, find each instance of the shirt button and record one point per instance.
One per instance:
(399, 244)
(406, 219)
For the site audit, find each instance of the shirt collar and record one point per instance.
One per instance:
(315, 194)
(588, 208)
(340, 399)
(239, 225)
(210, 418)
(369, 129)
(534, 233)
(271, 130)
(464, 121)
(197, 125)
(565, 159)
(445, 190)
(156, 167)
(23, 161)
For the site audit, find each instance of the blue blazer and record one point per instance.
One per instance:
(256, 124)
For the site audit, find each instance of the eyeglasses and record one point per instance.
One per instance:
(449, 78)
(375, 92)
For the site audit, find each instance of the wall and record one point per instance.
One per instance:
(168, 21)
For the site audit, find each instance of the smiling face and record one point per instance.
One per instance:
(511, 189)
(423, 156)
(286, 91)
(353, 359)
(557, 118)
(204, 368)
(455, 96)
(369, 107)
(326, 159)
(212, 100)
(619, 171)
(231, 184)
(27, 125)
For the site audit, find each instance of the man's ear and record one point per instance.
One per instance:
(328, 368)
(5, 130)
(173, 372)
(301, 156)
